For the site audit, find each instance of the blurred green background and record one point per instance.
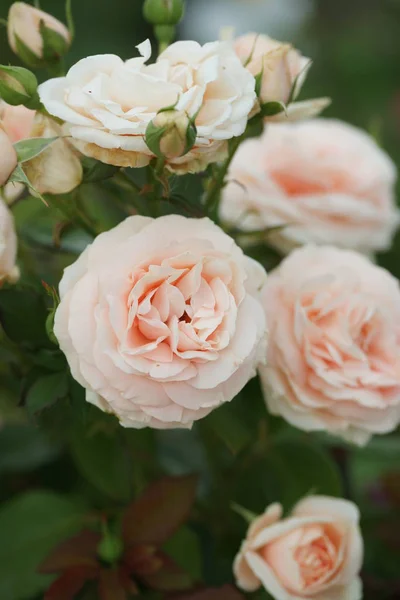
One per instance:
(355, 46)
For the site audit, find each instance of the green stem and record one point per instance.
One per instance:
(213, 195)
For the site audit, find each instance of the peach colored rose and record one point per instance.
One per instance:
(334, 345)
(315, 553)
(160, 320)
(325, 180)
(17, 121)
(8, 157)
(8, 244)
(283, 71)
(107, 103)
(24, 23)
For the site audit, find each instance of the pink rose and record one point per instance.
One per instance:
(315, 553)
(8, 244)
(17, 121)
(334, 345)
(160, 320)
(8, 157)
(325, 180)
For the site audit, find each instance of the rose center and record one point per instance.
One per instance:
(315, 559)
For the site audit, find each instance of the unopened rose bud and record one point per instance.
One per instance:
(35, 36)
(163, 12)
(171, 134)
(56, 170)
(279, 68)
(8, 157)
(18, 86)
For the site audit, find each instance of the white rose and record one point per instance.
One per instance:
(108, 103)
(8, 245)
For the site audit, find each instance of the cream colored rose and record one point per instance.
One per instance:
(8, 245)
(56, 170)
(334, 344)
(107, 104)
(24, 23)
(160, 320)
(315, 553)
(283, 71)
(324, 180)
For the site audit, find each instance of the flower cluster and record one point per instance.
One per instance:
(162, 317)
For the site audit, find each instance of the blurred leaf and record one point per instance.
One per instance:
(17, 320)
(110, 586)
(78, 551)
(227, 592)
(30, 526)
(103, 460)
(270, 109)
(226, 424)
(308, 468)
(183, 547)
(168, 578)
(28, 149)
(24, 447)
(94, 170)
(160, 510)
(46, 391)
(69, 584)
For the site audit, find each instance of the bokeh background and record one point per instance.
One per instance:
(355, 46)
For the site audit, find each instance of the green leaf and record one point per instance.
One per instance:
(26, 55)
(226, 592)
(19, 176)
(183, 547)
(17, 306)
(28, 149)
(308, 468)
(94, 170)
(229, 427)
(270, 109)
(160, 510)
(31, 525)
(24, 447)
(103, 460)
(46, 391)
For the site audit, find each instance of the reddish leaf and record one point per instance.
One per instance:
(227, 592)
(70, 583)
(163, 507)
(77, 551)
(111, 586)
(127, 582)
(142, 559)
(168, 578)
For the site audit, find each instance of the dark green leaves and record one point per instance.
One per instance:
(30, 526)
(24, 447)
(94, 170)
(23, 315)
(46, 391)
(103, 460)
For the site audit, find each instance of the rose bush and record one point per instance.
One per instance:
(324, 180)
(107, 104)
(160, 320)
(316, 552)
(333, 353)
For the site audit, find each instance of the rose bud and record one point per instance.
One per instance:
(8, 242)
(171, 134)
(27, 35)
(163, 12)
(56, 170)
(8, 157)
(18, 86)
